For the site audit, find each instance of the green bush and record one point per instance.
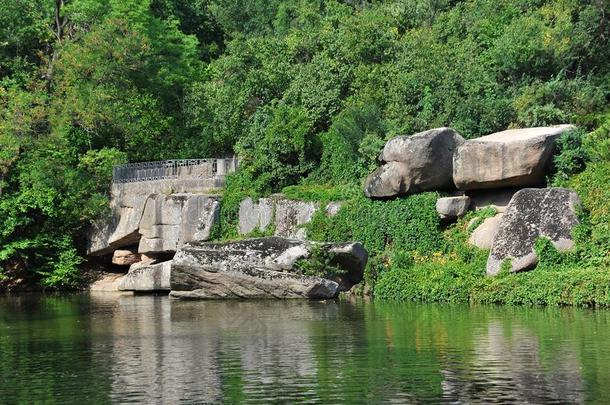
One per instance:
(570, 158)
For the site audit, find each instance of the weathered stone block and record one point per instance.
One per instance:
(261, 268)
(290, 216)
(415, 163)
(155, 277)
(532, 214)
(512, 158)
(453, 207)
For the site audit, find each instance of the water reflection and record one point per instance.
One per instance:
(150, 349)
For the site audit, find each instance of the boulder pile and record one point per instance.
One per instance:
(490, 171)
(440, 159)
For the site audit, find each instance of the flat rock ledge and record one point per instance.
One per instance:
(262, 268)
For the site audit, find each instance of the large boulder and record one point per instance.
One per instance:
(512, 158)
(147, 278)
(119, 228)
(264, 268)
(415, 163)
(533, 214)
(169, 221)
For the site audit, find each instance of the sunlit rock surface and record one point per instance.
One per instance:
(263, 268)
(415, 163)
(532, 214)
(516, 157)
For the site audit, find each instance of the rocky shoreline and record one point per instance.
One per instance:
(164, 237)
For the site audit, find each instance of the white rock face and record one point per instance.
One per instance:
(168, 222)
(512, 158)
(416, 163)
(533, 213)
(287, 216)
(253, 216)
(120, 229)
(149, 278)
(290, 216)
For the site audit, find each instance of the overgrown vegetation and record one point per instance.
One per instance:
(306, 92)
(580, 277)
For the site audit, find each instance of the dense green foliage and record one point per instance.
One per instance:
(306, 92)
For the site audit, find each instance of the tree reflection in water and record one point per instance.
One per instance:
(155, 350)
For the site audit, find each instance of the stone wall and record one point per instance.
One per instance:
(287, 217)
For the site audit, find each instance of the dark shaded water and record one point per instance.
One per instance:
(144, 349)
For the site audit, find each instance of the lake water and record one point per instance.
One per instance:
(90, 349)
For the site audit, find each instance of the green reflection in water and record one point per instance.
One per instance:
(101, 349)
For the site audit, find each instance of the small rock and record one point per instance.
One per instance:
(483, 236)
(125, 257)
(453, 207)
(147, 278)
(332, 208)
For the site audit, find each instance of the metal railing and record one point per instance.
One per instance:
(173, 169)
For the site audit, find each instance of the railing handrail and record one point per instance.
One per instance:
(173, 169)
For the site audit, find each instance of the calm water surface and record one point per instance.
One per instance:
(89, 349)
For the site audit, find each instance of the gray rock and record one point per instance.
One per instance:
(255, 215)
(388, 180)
(333, 208)
(483, 236)
(513, 158)
(170, 221)
(452, 207)
(291, 215)
(415, 163)
(199, 215)
(120, 228)
(154, 277)
(261, 268)
(124, 257)
(532, 214)
(106, 282)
